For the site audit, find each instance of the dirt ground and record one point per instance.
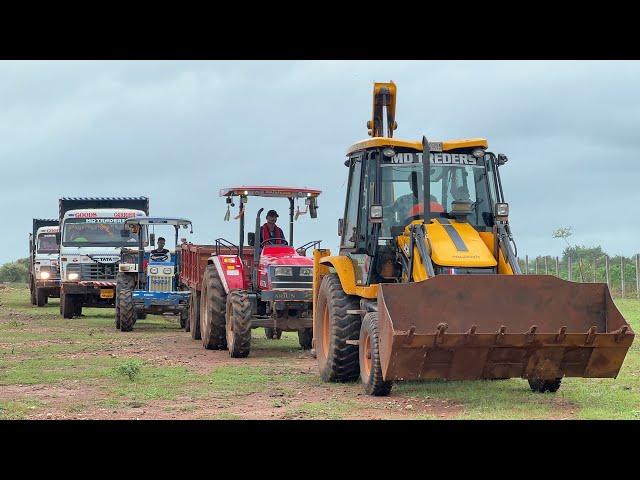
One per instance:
(51, 368)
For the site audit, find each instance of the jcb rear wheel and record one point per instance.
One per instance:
(213, 303)
(194, 314)
(126, 309)
(369, 356)
(238, 324)
(305, 338)
(541, 386)
(333, 326)
(273, 333)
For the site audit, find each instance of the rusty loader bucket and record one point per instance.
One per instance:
(469, 327)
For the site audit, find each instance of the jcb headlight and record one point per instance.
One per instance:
(153, 270)
(306, 272)
(284, 271)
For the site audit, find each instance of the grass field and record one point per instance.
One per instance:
(83, 368)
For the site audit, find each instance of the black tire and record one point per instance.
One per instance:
(238, 324)
(337, 360)
(273, 333)
(77, 308)
(67, 305)
(46, 299)
(141, 315)
(541, 386)
(32, 287)
(126, 308)
(41, 297)
(213, 302)
(305, 338)
(184, 320)
(194, 314)
(369, 358)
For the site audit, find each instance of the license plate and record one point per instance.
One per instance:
(106, 293)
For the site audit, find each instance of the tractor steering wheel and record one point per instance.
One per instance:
(267, 242)
(159, 257)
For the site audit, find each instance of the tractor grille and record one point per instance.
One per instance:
(160, 283)
(94, 271)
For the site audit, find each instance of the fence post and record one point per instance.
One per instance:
(594, 269)
(638, 275)
(526, 264)
(569, 267)
(557, 271)
(621, 276)
(606, 270)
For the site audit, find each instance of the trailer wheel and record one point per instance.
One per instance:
(541, 386)
(184, 320)
(238, 324)
(126, 308)
(272, 333)
(369, 357)
(41, 297)
(213, 302)
(194, 314)
(305, 338)
(333, 326)
(67, 304)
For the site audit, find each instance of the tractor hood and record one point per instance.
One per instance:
(283, 255)
(457, 244)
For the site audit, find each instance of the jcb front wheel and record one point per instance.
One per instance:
(333, 326)
(541, 386)
(238, 324)
(213, 303)
(369, 356)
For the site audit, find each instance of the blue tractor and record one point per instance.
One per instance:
(147, 280)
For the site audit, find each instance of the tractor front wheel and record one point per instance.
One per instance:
(332, 327)
(238, 327)
(126, 309)
(369, 358)
(213, 303)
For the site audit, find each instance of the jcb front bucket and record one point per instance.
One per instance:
(467, 327)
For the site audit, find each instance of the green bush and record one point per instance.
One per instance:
(17, 271)
(130, 369)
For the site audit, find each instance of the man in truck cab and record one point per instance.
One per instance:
(160, 254)
(271, 232)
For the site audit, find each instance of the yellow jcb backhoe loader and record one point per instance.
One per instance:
(432, 290)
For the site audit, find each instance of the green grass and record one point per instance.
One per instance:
(17, 410)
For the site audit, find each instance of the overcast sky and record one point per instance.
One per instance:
(179, 131)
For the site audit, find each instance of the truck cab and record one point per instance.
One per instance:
(44, 273)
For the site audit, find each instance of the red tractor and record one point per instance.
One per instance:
(262, 285)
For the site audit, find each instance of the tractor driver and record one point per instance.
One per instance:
(160, 254)
(270, 233)
(409, 206)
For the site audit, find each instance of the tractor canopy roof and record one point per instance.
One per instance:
(444, 146)
(269, 191)
(158, 221)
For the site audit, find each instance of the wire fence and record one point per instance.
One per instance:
(619, 273)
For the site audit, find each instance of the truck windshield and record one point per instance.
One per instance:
(47, 243)
(81, 232)
(403, 192)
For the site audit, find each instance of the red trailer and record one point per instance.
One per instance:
(195, 259)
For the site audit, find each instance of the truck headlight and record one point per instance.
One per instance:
(284, 271)
(73, 276)
(306, 272)
(44, 275)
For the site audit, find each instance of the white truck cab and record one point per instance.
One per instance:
(44, 273)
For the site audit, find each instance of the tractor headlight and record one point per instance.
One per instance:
(73, 276)
(153, 270)
(44, 275)
(306, 272)
(166, 270)
(284, 271)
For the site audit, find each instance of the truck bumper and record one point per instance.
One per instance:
(51, 287)
(94, 294)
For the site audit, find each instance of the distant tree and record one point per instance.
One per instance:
(565, 233)
(17, 271)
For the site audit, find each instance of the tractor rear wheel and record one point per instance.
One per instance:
(369, 358)
(541, 386)
(194, 314)
(213, 303)
(333, 326)
(305, 338)
(126, 309)
(238, 324)
(67, 303)
(272, 333)
(41, 297)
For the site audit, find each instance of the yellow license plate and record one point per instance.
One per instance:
(106, 293)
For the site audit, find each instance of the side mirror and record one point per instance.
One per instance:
(502, 159)
(313, 207)
(251, 239)
(58, 237)
(340, 227)
(152, 239)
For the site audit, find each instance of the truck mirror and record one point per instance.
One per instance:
(58, 236)
(340, 226)
(251, 239)
(152, 239)
(313, 207)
